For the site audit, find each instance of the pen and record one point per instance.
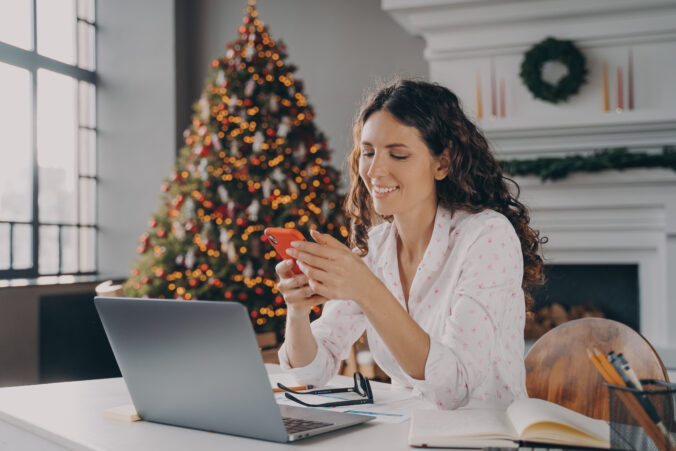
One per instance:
(300, 387)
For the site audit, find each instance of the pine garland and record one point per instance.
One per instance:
(556, 168)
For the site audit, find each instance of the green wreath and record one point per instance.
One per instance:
(554, 50)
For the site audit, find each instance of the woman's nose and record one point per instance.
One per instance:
(377, 166)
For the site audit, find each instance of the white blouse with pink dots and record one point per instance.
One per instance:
(466, 295)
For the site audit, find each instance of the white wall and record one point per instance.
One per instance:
(136, 118)
(340, 48)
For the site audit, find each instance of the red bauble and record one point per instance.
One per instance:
(204, 152)
(145, 279)
(243, 296)
(240, 221)
(270, 132)
(242, 29)
(254, 314)
(248, 102)
(258, 290)
(228, 295)
(246, 19)
(207, 184)
(215, 63)
(240, 267)
(160, 273)
(164, 188)
(193, 283)
(162, 233)
(152, 222)
(204, 267)
(279, 300)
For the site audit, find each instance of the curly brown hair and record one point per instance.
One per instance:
(475, 181)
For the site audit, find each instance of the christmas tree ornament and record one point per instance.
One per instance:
(253, 210)
(284, 127)
(267, 188)
(273, 105)
(202, 168)
(178, 230)
(278, 176)
(220, 78)
(259, 139)
(224, 239)
(216, 142)
(204, 108)
(248, 270)
(190, 259)
(293, 188)
(232, 253)
(189, 208)
(223, 193)
(234, 148)
(249, 88)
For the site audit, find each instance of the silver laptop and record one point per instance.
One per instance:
(196, 364)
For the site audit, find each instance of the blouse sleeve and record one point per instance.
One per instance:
(341, 324)
(488, 303)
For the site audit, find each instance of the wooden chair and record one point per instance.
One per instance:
(558, 369)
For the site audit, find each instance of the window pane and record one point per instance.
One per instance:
(87, 249)
(16, 185)
(15, 23)
(87, 104)
(69, 249)
(87, 152)
(56, 147)
(4, 246)
(56, 29)
(87, 201)
(23, 246)
(49, 250)
(85, 46)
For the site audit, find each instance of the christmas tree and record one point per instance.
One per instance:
(252, 159)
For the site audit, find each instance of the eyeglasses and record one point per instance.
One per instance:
(361, 386)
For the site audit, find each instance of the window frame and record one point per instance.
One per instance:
(32, 61)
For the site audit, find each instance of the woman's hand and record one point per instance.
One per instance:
(298, 295)
(333, 270)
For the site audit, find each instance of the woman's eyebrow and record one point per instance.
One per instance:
(387, 146)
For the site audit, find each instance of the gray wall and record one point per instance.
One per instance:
(137, 121)
(341, 49)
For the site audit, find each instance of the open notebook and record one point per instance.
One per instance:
(526, 420)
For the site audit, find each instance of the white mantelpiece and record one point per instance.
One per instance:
(602, 218)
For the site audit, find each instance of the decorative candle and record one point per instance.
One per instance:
(630, 81)
(502, 97)
(620, 99)
(494, 107)
(606, 102)
(479, 109)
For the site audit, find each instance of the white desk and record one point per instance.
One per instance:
(69, 416)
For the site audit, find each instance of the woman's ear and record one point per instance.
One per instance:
(443, 165)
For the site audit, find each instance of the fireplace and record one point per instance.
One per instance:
(578, 291)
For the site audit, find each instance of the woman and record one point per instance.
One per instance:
(439, 283)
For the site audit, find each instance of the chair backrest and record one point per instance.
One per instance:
(558, 368)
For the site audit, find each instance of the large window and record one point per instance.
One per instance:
(48, 176)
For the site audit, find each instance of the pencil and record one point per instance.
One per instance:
(637, 411)
(300, 387)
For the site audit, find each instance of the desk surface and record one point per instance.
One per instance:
(69, 416)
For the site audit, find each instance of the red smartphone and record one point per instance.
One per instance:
(281, 239)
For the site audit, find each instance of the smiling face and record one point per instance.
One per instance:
(397, 167)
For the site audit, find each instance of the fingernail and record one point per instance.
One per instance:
(295, 243)
(292, 252)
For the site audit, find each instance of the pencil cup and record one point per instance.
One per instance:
(643, 419)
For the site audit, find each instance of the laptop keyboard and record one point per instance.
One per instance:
(294, 425)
